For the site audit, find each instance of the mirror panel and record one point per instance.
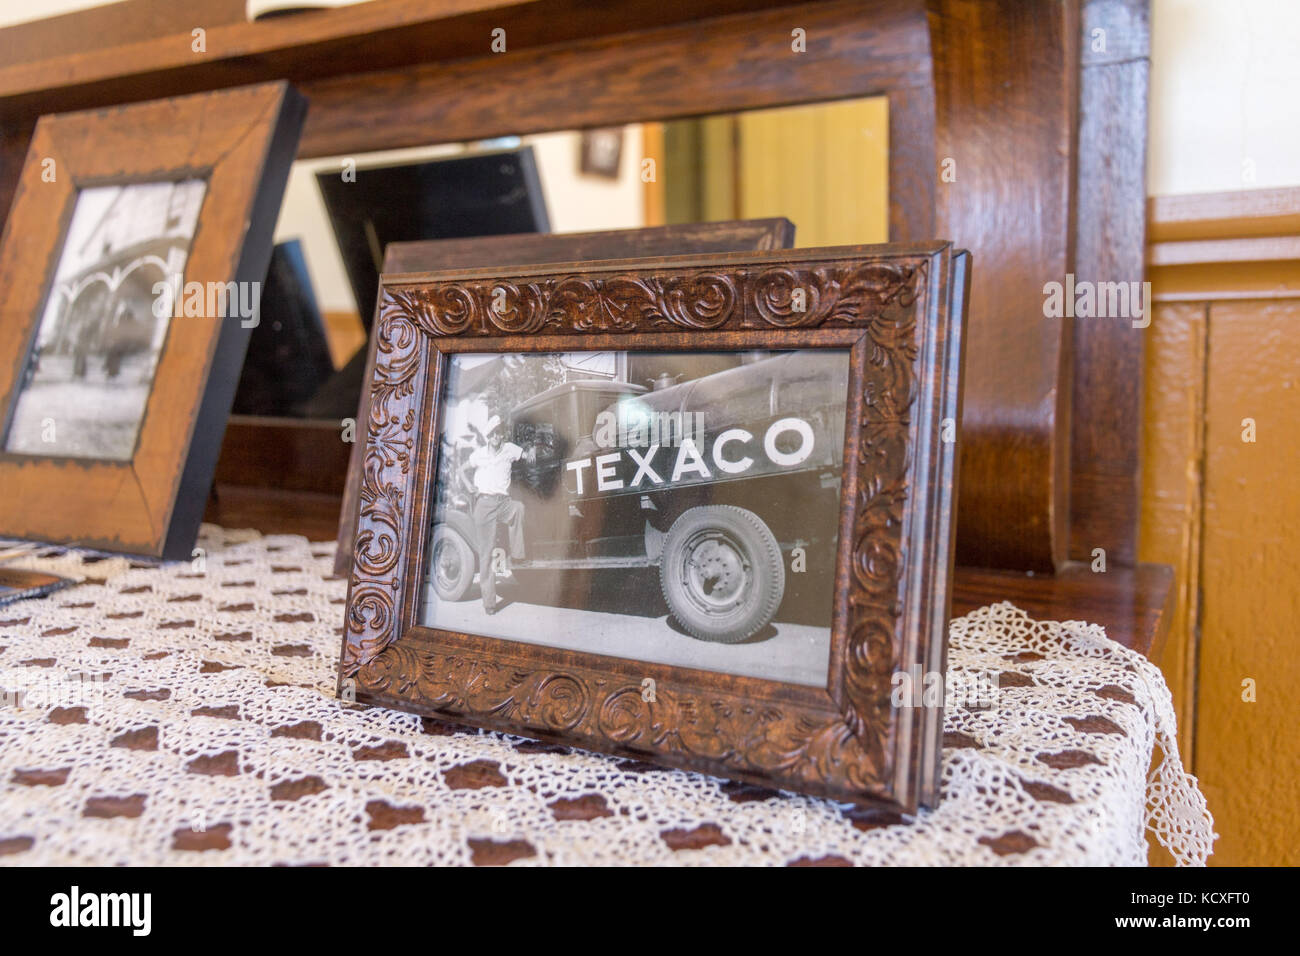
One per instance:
(824, 166)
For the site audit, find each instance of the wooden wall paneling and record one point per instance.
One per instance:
(913, 169)
(1173, 437)
(1195, 282)
(1220, 350)
(1247, 753)
(1106, 410)
(1005, 74)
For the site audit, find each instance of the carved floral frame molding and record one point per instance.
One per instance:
(891, 306)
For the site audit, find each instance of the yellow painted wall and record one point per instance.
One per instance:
(1248, 754)
(1225, 513)
(1173, 440)
(825, 167)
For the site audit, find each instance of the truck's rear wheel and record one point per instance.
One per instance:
(452, 564)
(721, 573)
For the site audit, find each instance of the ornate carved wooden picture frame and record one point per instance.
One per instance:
(835, 371)
(131, 265)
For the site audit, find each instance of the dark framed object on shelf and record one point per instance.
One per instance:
(479, 194)
(810, 392)
(533, 248)
(288, 356)
(131, 262)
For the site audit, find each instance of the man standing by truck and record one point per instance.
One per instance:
(493, 505)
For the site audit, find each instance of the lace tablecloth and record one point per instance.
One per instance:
(185, 714)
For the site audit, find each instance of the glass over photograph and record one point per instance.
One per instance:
(91, 368)
(678, 508)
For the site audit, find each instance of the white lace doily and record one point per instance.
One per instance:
(186, 714)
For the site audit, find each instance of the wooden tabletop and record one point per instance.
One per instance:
(1132, 604)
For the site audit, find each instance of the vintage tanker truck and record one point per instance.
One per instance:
(713, 481)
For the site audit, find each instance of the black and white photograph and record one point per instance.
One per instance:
(677, 508)
(91, 367)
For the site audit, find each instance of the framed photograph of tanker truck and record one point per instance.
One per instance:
(696, 510)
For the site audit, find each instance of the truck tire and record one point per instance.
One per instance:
(721, 573)
(451, 565)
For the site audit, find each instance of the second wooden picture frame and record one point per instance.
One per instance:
(131, 265)
(516, 250)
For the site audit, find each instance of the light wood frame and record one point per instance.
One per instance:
(241, 141)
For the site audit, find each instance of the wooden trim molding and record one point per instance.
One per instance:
(112, 24)
(1005, 87)
(1209, 247)
(1244, 249)
(379, 35)
(736, 63)
(1225, 215)
(1105, 383)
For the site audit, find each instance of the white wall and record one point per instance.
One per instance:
(19, 11)
(1225, 113)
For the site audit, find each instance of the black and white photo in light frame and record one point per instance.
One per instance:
(91, 367)
(677, 508)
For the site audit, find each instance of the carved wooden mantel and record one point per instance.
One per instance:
(1045, 133)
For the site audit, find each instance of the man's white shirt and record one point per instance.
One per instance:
(492, 468)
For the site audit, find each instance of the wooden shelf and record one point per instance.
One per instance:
(369, 37)
(1132, 604)
(311, 514)
(292, 454)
